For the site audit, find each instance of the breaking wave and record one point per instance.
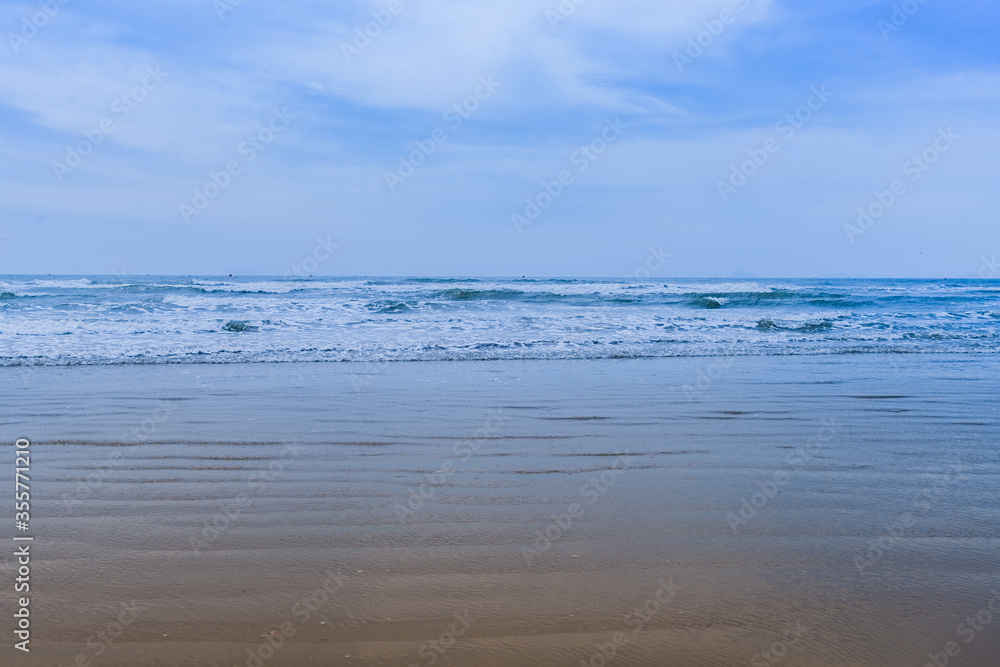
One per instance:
(67, 320)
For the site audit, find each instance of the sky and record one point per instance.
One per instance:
(649, 138)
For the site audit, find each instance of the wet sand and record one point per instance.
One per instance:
(838, 510)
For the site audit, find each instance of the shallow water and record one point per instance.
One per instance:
(335, 467)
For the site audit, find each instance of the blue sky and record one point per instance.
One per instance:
(310, 129)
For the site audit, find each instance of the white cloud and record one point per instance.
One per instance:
(432, 51)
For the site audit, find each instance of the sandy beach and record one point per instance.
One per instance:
(691, 511)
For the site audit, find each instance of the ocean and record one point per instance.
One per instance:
(97, 320)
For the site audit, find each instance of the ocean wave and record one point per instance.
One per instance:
(480, 352)
(709, 302)
(238, 326)
(388, 307)
(157, 319)
(443, 281)
(807, 327)
(773, 299)
(482, 295)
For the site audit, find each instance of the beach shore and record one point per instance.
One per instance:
(812, 511)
